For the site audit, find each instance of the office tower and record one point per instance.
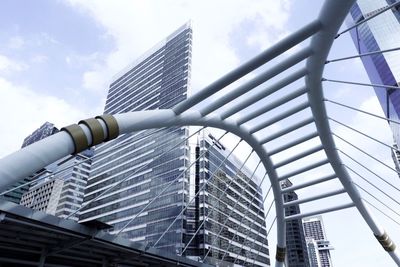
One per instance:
(315, 234)
(380, 33)
(138, 166)
(60, 188)
(43, 196)
(296, 248)
(43, 131)
(212, 207)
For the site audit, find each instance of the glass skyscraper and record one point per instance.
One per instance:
(146, 162)
(380, 33)
(231, 197)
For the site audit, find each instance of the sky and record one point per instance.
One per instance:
(57, 59)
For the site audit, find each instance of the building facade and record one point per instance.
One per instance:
(230, 196)
(315, 234)
(296, 247)
(43, 131)
(60, 188)
(139, 165)
(43, 196)
(380, 33)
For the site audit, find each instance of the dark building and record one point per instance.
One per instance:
(295, 241)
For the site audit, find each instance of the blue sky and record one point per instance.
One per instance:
(58, 57)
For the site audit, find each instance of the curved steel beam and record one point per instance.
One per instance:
(332, 16)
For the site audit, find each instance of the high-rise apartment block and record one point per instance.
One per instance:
(315, 235)
(141, 164)
(228, 208)
(380, 33)
(296, 247)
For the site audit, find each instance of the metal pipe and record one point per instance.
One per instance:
(309, 183)
(299, 156)
(321, 211)
(264, 93)
(277, 118)
(272, 52)
(303, 169)
(274, 104)
(259, 79)
(316, 197)
(293, 143)
(287, 130)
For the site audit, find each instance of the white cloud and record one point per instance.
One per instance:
(8, 65)
(16, 42)
(138, 25)
(39, 59)
(30, 109)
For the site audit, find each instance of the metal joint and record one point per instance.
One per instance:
(78, 136)
(386, 242)
(280, 254)
(112, 126)
(95, 129)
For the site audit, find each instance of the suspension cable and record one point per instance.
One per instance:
(203, 186)
(367, 19)
(362, 111)
(365, 153)
(369, 170)
(363, 55)
(370, 183)
(389, 217)
(366, 135)
(219, 199)
(362, 84)
(136, 171)
(377, 199)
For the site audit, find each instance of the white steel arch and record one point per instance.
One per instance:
(322, 32)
